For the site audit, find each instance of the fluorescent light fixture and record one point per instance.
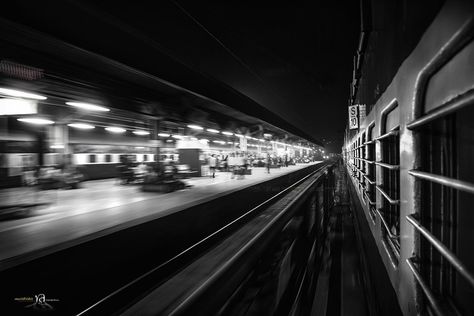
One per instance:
(36, 120)
(164, 135)
(219, 141)
(21, 94)
(178, 136)
(195, 127)
(228, 133)
(88, 106)
(267, 135)
(230, 143)
(211, 130)
(169, 140)
(81, 125)
(56, 146)
(239, 135)
(139, 147)
(115, 129)
(140, 132)
(17, 106)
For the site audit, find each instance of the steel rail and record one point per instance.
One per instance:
(221, 230)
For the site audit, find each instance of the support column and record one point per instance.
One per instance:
(154, 141)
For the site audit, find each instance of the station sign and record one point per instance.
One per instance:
(353, 117)
(362, 113)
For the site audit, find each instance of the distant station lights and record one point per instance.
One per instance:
(141, 132)
(36, 121)
(88, 106)
(214, 131)
(228, 133)
(21, 94)
(116, 130)
(81, 126)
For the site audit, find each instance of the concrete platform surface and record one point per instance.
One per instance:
(103, 206)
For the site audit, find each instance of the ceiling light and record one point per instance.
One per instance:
(195, 127)
(56, 146)
(21, 94)
(211, 130)
(88, 106)
(81, 125)
(239, 135)
(261, 140)
(228, 133)
(36, 120)
(141, 133)
(178, 136)
(115, 129)
(10, 106)
(267, 135)
(164, 135)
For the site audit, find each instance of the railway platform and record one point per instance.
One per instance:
(99, 207)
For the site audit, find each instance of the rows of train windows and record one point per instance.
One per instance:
(447, 150)
(108, 158)
(362, 157)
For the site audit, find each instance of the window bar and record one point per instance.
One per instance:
(429, 295)
(368, 199)
(444, 251)
(391, 133)
(451, 106)
(369, 180)
(390, 235)
(387, 166)
(449, 182)
(386, 196)
(370, 162)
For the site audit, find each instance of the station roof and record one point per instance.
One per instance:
(122, 68)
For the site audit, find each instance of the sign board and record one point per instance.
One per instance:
(353, 118)
(362, 112)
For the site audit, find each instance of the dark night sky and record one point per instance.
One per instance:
(293, 58)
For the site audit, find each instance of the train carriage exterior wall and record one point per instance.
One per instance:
(435, 81)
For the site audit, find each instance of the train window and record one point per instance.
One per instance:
(370, 178)
(92, 158)
(389, 188)
(108, 158)
(447, 189)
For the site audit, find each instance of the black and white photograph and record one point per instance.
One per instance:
(237, 158)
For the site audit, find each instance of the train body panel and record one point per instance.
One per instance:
(381, 168)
